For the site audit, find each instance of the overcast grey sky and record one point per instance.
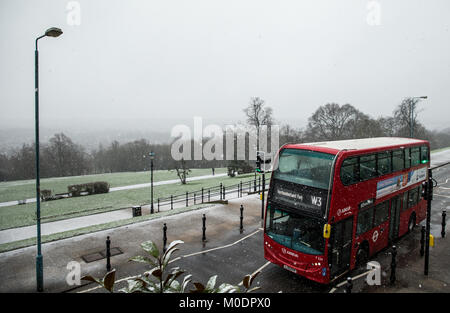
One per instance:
(160, 59)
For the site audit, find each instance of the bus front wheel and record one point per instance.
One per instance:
(412, 223)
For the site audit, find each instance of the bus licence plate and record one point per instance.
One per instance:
(293, 270)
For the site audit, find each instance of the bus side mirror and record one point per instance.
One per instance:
(326, 231)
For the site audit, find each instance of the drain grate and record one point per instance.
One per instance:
(92, 257)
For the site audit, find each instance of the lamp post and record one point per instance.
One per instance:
(411, 115)
(51, 32)
(152, 156)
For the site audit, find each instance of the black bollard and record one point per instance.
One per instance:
(187, 195)
(171, 202)
(349, 285)
(422, 241)
(444, 214)
(220, 191)
(393, 264)
(241, 227)
(204, 228)
(164, 237)
(223, 192)
(108, 254)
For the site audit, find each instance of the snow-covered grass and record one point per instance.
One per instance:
(25, 189)
(439, 150)
(24, 215)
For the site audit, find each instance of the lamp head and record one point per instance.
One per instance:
(53, 32)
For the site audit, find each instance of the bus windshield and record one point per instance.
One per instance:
(300, 233)
(304, 167)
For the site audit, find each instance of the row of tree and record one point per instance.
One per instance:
(62, 157)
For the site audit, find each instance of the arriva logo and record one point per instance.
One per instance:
(285, 251)
(343, 211)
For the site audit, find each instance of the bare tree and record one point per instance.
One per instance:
(406, 116)
(388, 126)
(258, 114)
(331, 121)
(182, 171)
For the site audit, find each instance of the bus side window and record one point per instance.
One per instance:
(407, 159)
(367, 167)
(424, 154)
(365, 220)
(381, 213)
(398, 160)
(412, 197)
(415, 156)
(350, 171)
(405, 201)
(384, 163)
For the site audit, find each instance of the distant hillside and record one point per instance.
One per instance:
(13, 138)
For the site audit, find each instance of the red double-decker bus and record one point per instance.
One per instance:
(332, 205)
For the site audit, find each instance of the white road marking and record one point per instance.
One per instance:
(258, 270)
(353, 278)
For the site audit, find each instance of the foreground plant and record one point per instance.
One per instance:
(159, 279)
(106, 282)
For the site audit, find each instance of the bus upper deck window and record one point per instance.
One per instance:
(424, 154)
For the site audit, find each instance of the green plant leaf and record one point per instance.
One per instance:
(156, 272)
(167, 256)
(211, 283)
(143, 259)
(134, 285)
(92, 279)
(252, 277)
(176, 272)
(185, 282)
(151, 248)
(227, 288)
(246, 281)
(253, 289)
(109, 280)
(198, 287)
(171, 246)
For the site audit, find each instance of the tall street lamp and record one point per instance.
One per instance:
(411, 129)
(51, 32)
(152, 156)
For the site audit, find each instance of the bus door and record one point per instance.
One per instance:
(394, 218)
(341, 246)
